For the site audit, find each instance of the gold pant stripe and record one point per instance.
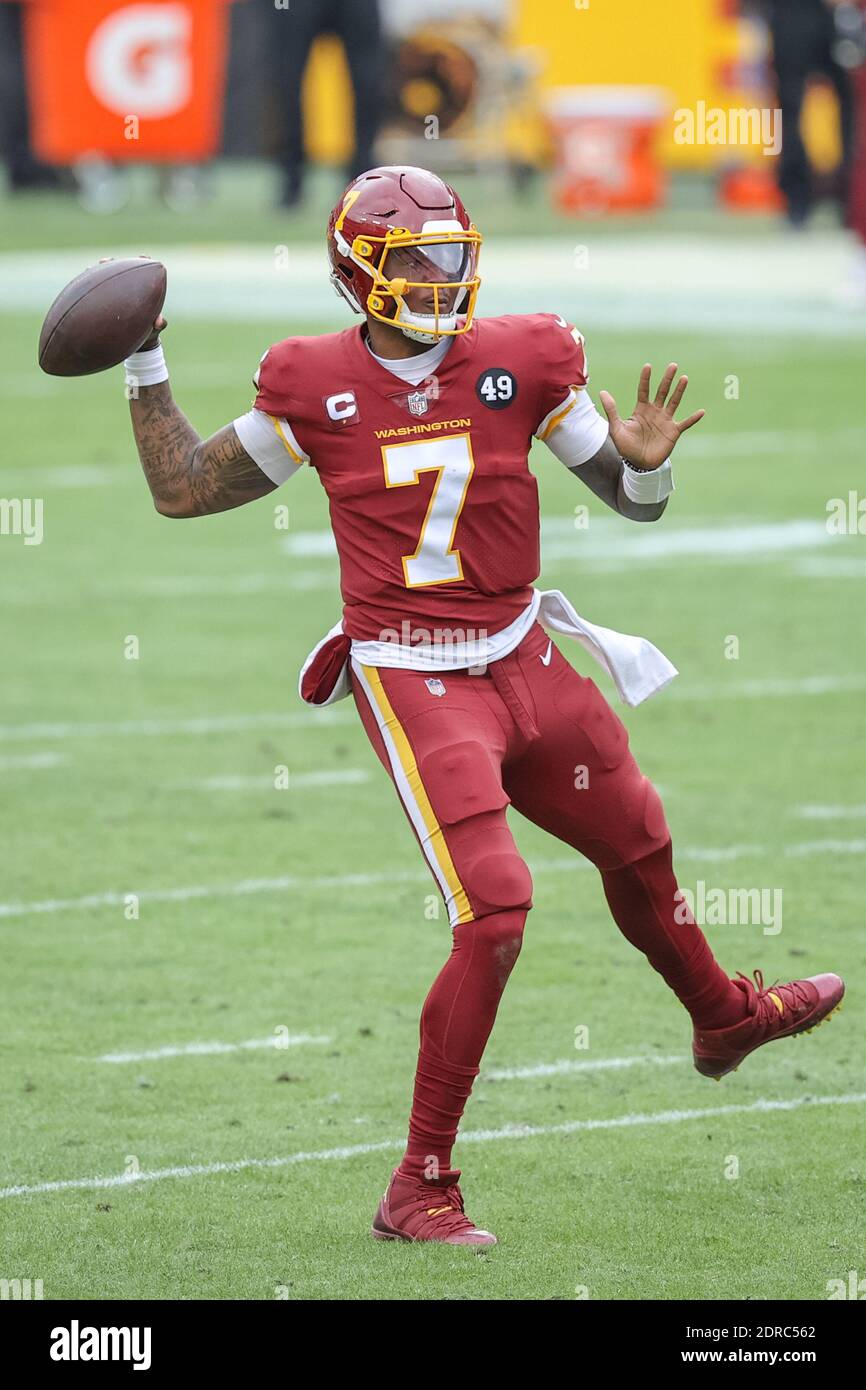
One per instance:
(462, 910)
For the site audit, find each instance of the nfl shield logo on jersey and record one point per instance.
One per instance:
(435, 686)
(417, 402)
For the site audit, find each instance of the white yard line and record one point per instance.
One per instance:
(765, 290)
(830, 812)
(329, 777)
(480, 1136)
(831, 567)
(758, 688)
(280, 581)
(243, 888)
(762, 687)
(62, 475)
(825, 847)
(299, 883)
(607, 537)
(744, 541)
(32, 760)
(720, 854)
(715, 444)
(285, 582)
(276, 1043)
(159, 728)
(735, 443)
(209, 1049)
(567, 1067)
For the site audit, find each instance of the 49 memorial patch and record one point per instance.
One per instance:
(496, 388)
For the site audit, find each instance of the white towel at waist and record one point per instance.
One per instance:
(638, 668)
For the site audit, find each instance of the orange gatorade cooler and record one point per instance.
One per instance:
(605, 141)
(137, 82)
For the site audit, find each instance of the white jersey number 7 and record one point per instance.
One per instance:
(434, 560)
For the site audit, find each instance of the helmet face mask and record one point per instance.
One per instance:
(421, 280)
(417, 274)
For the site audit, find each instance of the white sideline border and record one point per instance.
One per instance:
(478, 1136)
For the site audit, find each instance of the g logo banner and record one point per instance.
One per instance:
(139, 60)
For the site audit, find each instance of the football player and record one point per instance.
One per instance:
(418, 421)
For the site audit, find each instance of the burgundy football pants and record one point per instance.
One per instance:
(531, 732)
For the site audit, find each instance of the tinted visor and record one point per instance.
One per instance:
(438, 261)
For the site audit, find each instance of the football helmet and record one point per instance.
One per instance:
(399, 229)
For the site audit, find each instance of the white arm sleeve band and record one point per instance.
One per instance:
(271, 444)
(146, 368)
(648, 487)
(574, 432)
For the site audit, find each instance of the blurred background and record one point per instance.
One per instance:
(216, 120)
(168, 899)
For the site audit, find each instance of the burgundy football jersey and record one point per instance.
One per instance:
(432, 503)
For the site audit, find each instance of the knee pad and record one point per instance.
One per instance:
(499, 881)
(655, 826)
(639, 827)
(466, 795)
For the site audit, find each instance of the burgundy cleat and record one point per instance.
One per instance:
(418, 1209)
(782, 1011)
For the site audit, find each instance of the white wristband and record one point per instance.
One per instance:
(647, 486)
(146, 368)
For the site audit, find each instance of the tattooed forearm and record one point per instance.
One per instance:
(188, 475)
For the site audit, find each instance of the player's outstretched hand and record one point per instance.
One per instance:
(647, 437)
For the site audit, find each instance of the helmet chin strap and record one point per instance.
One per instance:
(416, 329)
(419, 327)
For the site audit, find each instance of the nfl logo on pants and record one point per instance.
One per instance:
(435, 686)
(417, 402)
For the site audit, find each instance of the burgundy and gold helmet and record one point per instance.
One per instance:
(419, 218)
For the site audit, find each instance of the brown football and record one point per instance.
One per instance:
(102, 316)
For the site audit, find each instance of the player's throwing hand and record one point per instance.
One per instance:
(153, 337)
(647, 437)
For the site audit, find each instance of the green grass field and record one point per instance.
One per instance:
(305, 912)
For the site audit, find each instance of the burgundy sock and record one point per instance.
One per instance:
(641, 897)
(456, 1022)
